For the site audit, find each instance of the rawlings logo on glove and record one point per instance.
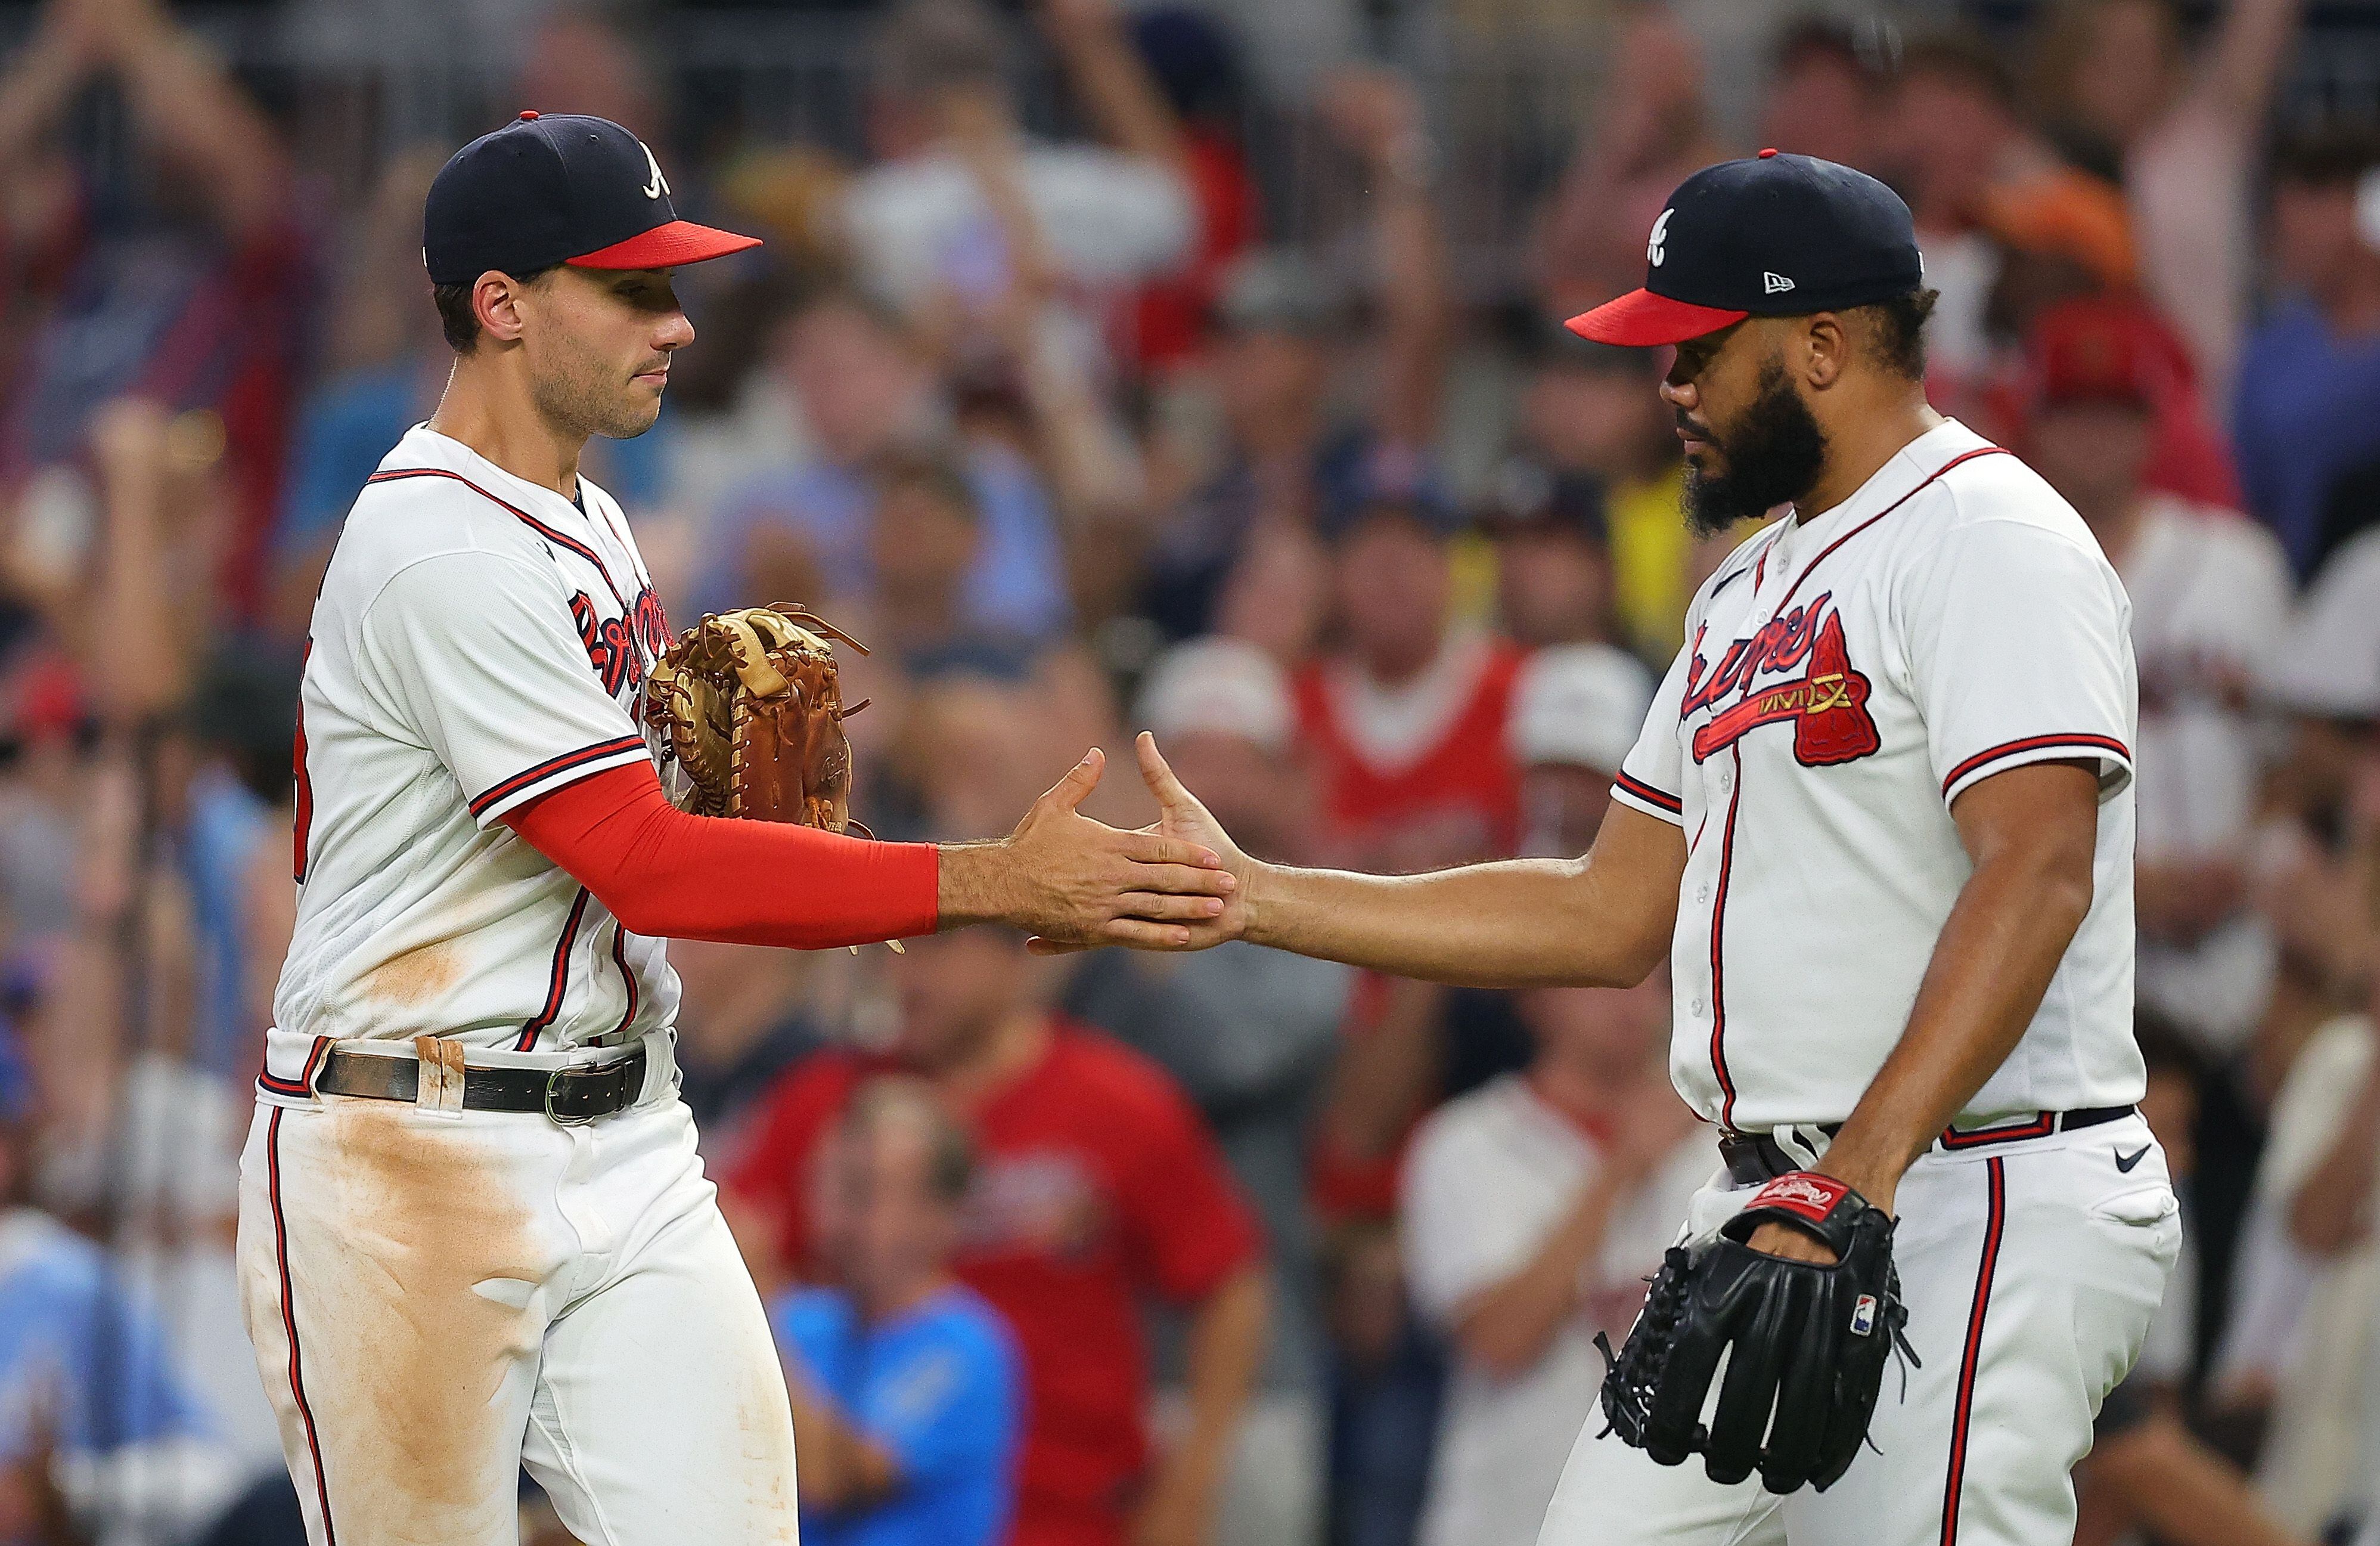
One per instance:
(1799, 1338)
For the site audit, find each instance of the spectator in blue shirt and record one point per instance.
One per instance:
(2308, 410)
(907, 1387)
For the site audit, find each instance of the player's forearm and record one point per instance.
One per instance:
(1991, 965)
(1226, 1348)
(1512, 924)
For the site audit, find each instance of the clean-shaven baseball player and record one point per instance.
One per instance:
(474, 1234)
(1881, 820)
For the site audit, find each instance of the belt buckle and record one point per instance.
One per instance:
(552, 1084)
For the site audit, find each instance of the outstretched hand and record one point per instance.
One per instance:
(1181, 819)
(1070, 879)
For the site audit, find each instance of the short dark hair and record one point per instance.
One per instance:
(1896, 331)
(456, 317)
(950, 1152)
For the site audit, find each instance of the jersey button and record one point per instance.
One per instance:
(1727, 778)
(1703, 895)
(1697, 1006)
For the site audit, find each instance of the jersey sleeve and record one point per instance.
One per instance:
(2018, 646)
(1653, 774)
(480, 657)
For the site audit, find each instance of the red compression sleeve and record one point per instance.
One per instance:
(670, 875)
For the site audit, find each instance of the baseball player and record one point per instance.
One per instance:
(1880, 819)
(474, 1234)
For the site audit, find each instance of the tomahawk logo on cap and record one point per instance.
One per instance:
(1773, 236)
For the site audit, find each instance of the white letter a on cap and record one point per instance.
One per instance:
(660, 184)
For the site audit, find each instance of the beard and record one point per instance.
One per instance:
(579, 392)
(1772, 456)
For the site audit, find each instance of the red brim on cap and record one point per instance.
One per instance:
(679, 241)
(1640, 319)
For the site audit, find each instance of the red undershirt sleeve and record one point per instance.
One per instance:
(669, 875)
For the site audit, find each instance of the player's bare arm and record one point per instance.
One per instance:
(1602, 920)
(2032, 832)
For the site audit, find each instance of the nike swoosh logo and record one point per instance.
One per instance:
(2126, 1161)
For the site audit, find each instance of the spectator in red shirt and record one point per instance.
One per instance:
(1407, 717)
(1097, 1188)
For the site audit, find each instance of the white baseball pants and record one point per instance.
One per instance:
(2031, 1270)
(438, 1299)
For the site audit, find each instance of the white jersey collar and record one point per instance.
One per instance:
(425, 448)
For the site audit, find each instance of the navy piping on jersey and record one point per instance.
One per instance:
(1673, 804)
(549, 533)
(627, 978)
(558, 980)
(553, 765)
(2035, 743)
(1993, 1223)
(289, 1312)
(303, 1090)
(1735, 795)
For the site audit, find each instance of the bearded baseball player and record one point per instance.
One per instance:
(1880, 819)
(474, 1234)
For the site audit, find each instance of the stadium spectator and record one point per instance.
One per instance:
(1098, 1190)
(2307, 437)
(1553, 564)
(907, 1393)
(1407, 717)
(1977, 174)
(1251, 1035)
(744, 1015)
(2211, 596)
(197, 297)
(864, 390)
(1826, 89)
(1593, 411)
(1577, 710)
(1535, 1207)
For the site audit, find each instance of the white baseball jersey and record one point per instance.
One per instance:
(1845, 679)
(478, 642)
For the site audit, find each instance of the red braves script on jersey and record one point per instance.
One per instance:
(1097, 1184)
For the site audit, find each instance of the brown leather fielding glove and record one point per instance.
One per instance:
(751, 711)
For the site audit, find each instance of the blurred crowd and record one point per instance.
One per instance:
(1235, 1249)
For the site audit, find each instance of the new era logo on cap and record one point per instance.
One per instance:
(558, 188)
(1769, 235)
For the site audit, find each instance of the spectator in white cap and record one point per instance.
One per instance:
(1576, 711)
(1252, 1035)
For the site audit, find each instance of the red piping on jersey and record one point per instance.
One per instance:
(627, 978)
(301, 831)
(1673, 804)
(2041, 1126)
(1735, 797)
(2035, 743)
(1718, 965)
(549, 533)
(559, 979)
(289, 1311)
(1972, 1357)
(553, 765)
(303, 1090)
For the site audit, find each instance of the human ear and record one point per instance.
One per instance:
(496, 297)
(1824, 347)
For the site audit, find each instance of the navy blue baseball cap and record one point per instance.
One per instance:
(1769, 236)
(558, 188)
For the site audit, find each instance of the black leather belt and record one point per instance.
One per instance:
(570, 1095)
(1751, 1158)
